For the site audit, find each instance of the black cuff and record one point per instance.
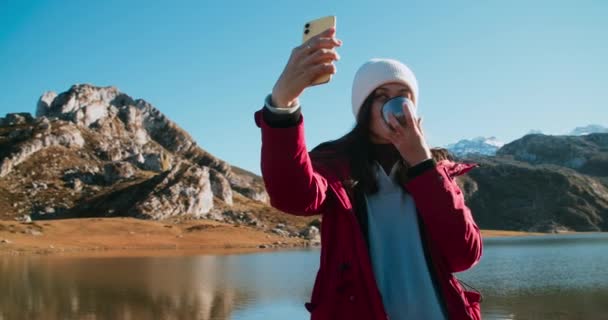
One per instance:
(281, 120)
(421, 168)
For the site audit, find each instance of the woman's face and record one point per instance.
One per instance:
(379, 130)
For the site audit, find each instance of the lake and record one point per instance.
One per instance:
(540, 277)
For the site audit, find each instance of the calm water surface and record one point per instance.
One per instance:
(548, 277)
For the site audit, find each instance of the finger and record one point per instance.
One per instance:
(391, 131)
(409, 118)
(327, 33)
(394, 123)
(386, 126)
(322, 55)
(319, 70)
(419, 122)
(395, 134)
(309, 48)
(327, 43)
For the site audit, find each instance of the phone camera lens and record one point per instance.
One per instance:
(307, 25)
(306, 31)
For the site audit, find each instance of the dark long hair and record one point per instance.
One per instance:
(356, 147)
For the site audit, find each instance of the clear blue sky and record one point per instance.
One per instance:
(486, 68)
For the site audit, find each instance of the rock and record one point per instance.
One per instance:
(548, 226)
(20, 118)
(24, 219)
(248, 184)
(281, 226)
(157, 162)
(39, 185)
(263, 246)
(312, 234)
(137, 160)
(220, 186)
(44, 103)
(86, 175)
(118, 170)
(185, 189)
(82, 104)
(280, 232)
(49, 210)
(246, 218)
(111, 112)
(316, 223)
(76, 184)
(43, 124)
(18, 135)
(69, 137)
(6, 241)
(254, 193)
(33, 232)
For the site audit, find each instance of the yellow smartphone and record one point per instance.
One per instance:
(313, 28)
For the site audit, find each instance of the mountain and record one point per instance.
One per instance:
(592, 128)
(535, 131)
(587, 154)
(489, 146)
(508, 194)
(479, 145)
(542, 183)
(96, 152)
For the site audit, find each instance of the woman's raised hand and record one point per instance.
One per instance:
(307, 62)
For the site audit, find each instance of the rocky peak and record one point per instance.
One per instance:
(586, 153)
(112, 113)
(98, 143)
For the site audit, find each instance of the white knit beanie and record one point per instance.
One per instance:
(377, 72)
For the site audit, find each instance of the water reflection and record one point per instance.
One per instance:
(548, 277)
(538, 278)
(151, 288)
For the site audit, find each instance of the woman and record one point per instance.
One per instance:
(395, 225)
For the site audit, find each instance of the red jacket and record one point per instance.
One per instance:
(345, 286)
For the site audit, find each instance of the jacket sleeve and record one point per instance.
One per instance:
(447, 218)
(292, 183)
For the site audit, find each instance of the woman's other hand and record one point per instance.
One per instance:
(408, 138)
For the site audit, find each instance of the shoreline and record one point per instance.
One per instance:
(129, 237)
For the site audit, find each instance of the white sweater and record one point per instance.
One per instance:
(397, 255)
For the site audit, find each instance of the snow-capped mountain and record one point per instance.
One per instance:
(592, 128)
(479, 145)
